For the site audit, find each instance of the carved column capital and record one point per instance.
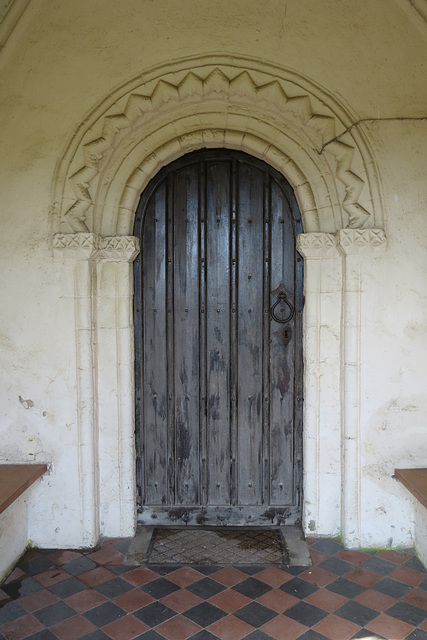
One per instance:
(80, 246)
(90, 246)
(361, 241)
(317, 245)
(118, 248)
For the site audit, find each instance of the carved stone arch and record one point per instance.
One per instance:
(317, 144)
(266, 111)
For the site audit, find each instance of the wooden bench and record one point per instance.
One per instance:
(415, 480)
(14, 480)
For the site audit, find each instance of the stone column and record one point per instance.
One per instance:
(103, 289)
(81, 249)
(116, 386)
(354, 245)
(322, 401)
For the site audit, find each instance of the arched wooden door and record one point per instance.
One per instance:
(218, 302)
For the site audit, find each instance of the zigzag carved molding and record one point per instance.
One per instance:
(240, 90)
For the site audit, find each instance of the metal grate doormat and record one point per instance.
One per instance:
(217, 546)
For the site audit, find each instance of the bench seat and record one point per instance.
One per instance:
(415, 480)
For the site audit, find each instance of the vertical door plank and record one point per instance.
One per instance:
(282, 353)
(250, 332)
(186, 334)
(218, 331)
(155, 399)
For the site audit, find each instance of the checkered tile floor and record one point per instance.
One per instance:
(68, 595)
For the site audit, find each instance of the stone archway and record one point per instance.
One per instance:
(301, 131)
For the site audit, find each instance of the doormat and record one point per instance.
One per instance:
(217, 546)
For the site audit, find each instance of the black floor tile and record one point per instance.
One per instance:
(45, 634)
(336, 565)
(357, 613)
(345, 587)
(255, 614)
(327, 546)
(149, 635)
(408, 613)
(305, 613)
(36, 565)
(104, 613)
(113, 588)
(159, 588)
(79, 565)
(206, 588)
(154, 613)
(298, 588)
(423, 585)
(257, 635)
(11, 611)
(204, 614)
(252, 588)
(68, 588)
(203, 635)
(365, 634)
(392, 588)
(417, 634)
(54, 613)
(22, 587)
(378, 565)
(312, 635)
(122, 546)
(96, 635)
(414, 563)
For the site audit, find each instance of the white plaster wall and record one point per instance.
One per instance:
(394, 339)
(61, 60)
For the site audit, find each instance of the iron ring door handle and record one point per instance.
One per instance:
(281, 299)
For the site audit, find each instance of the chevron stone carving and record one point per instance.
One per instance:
(91, 245)
(361, 241)
(240, 90)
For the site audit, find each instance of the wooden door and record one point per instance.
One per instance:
(218, 301)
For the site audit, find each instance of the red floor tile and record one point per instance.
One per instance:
(185, 576)
(375, 600)
(51, 577)
(318, 576)
(97, 576)
(85, 600)
(326, 600)
(73, 628)
(278, 600)
(133, 600)
(399, 557)
(336, 628)
(355, 557)
(364, 577)
(417, 597)
(229, 601)
(228, 576)
(140, 576)
(282, 627)
(178, 628)
(17, 574)
(230, 628)
(62, 557)
(273, 577)
(317, 556)
(181, 600)
(389, 627)
(38, 600)
(107, 555)
(407, 576)
(125, 628)
(21, 628)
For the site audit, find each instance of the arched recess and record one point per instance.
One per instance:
(302, 132)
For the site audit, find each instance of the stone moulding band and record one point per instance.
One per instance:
(93, 246)
(224, 87)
